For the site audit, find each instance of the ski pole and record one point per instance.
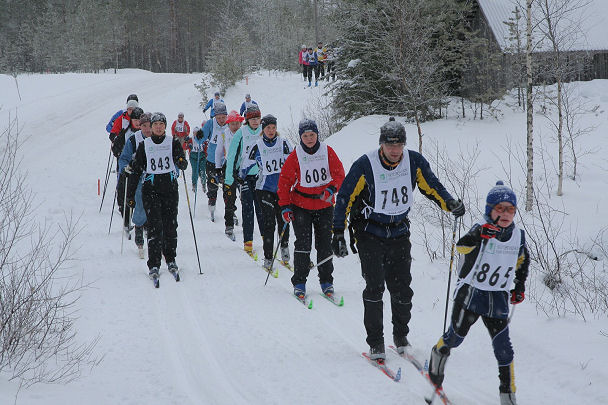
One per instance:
(126, 217)
(274, 256)
(447, 295)
(198, 162)
(113, 205)
(322, 261)
(511, 314)
(105, 185)
(200, 272)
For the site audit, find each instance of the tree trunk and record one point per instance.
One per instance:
(419, 131)
(529, 110)
(316, 17)
(560, 126)
(462, 104)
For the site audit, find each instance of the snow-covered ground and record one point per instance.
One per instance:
(224, 338)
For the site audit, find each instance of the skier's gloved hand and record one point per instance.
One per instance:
(287, 215)
(489, 231)
(456, 207)
(128, 169)
(182, 163)
(518, 293)
(338, 243)
(131, 203)
(199, 134)
(328, 193)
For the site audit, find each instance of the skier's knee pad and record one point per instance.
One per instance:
(503, 350)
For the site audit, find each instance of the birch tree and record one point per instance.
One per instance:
(529, 111)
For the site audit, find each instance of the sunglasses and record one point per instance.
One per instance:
(505, 208)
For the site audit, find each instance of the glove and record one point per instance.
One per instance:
(338, 244)
(456, 207)
(131, 203)
(287, 215)
(128, 169)
(489, 231)
(328, 193)
(182, 163)
(199, 135)
(518, 294)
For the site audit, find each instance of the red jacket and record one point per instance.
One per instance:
(120, 123)
(301, 58)
(290, 180)
(181, 135)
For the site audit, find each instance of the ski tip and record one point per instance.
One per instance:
(310, 305)
(398, 375)
(341, 303)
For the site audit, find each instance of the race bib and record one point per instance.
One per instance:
(179, 127)
(393, 188)
(314, 169)
(159, 157)
(249, 139)
(272, 157)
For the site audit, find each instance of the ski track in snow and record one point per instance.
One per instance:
(225, 338)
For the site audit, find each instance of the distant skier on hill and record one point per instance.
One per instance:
(302, 62)
(127, 155)
(198, 158)
(248, 101)
(212, 103)
(310, 178)
(234, 121)
(377, 194)
(494, 272)
(180, 129)
(159, 158)
(270, 153)
(310, 61)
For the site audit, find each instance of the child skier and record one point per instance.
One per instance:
(270, 154)
(229, 193)
(159, 158)
(238, 164)
(492, 274)
(310, 178)
(198, 159)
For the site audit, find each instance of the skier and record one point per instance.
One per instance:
(159, 158)
(302, 62)
(234, 121)
(270, 153)
(240, 166)
(127, 155)
(493, 272)
(320, 53)
(310, 60)
(212, 103)
(119, 113)
(122, 124)
(310, 178)
(248, 101)
(378, 195)
(198, 158)
(181, 130)
(330, 62)
(117, 147)
(212, 131)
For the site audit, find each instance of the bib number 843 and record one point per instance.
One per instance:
(159, 163)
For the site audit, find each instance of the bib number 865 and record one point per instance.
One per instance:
(483, 274)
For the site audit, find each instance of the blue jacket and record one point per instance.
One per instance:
(244, 106)
(358, 192)
(210, 105)
(109, 126)
(128, 152)
(270, 182)
(207, 134)
(311, 58)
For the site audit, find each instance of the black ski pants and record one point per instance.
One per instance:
(319, 71)
(385, 261)
(229, 194)
(304, 222)
(213, 182)
(120, 192)
(271, 216)
(161, 211)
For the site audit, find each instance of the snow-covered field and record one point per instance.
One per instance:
(224, 338)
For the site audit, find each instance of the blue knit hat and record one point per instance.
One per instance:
(499, 193)
(307, 125)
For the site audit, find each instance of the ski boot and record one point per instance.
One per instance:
(439, 356)
(285, 254)
(267, 265)
(299, 290)
(212, 212)
(308, 84)
(153, 273)
(401, 343)
(316, 83)
(328, 289)
(236, 220)
(174, 270)
(507, 398)
(507, 385)
(376, 352)
(230, 233)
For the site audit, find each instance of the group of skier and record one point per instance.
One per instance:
(306, 187)
(321, 61)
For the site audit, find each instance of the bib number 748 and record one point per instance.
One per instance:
(396, 197)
